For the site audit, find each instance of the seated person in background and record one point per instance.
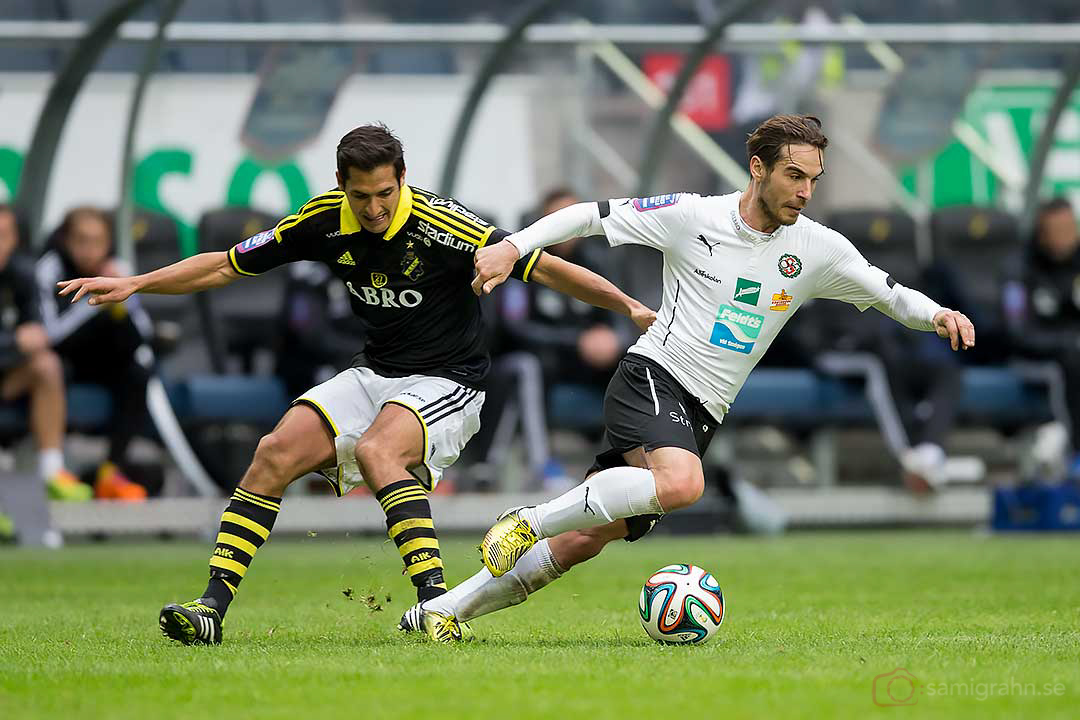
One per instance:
(572, 341)
(1043, 310)
(29, 367)
(98, 344)
(318, 331)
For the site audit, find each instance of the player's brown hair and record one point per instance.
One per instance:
(368, 147)
(771, 137)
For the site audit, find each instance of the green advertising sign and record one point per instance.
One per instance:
(1009, 118)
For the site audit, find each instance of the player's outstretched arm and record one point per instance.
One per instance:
(199, 272)
(493, 264)
(587, 286)
(956, 327)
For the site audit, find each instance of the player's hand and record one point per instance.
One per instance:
(643, 317)
(101, 289)
(31, 338)
(955, 326)
(493, 265)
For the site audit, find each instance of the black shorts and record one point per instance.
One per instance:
(645, 407)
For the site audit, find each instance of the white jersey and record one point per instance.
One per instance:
(728, 289)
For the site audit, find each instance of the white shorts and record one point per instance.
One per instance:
(449, 414)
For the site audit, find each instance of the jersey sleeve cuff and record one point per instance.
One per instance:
(236, 266)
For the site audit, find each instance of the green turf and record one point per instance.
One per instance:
(812, 619)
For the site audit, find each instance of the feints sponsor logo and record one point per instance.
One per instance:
(656, 202)
(747, 291)
(736, 329)
(789, 265)
(444, 237)
(255, 241)
(707, 276)
(451, 204)
(781, 301)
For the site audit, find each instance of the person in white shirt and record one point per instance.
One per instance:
(736, 268)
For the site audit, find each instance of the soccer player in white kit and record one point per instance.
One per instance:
(736, 268)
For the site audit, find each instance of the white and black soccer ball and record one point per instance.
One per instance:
(681, 604)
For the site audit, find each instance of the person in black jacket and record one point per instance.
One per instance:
(1043, 310)
(99, 345)
(562, 337)
(28, 366)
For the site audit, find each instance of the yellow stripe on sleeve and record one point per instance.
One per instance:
(529, 267)
(235, 266)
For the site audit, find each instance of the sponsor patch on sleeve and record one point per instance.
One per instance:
(656, 202)
(255, 241)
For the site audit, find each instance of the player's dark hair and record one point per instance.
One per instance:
(771, 137)
(368, 147)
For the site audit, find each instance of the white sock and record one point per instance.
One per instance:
(483, 594)
(608, 495)
(50, 462)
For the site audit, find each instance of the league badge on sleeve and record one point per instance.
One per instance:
(656, 202)
(255, 241)
(790, 265)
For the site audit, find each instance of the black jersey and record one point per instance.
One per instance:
(410, 286)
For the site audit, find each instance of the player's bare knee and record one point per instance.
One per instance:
(675, 491)
(271, 470)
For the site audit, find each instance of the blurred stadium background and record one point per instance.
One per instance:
(200, 122)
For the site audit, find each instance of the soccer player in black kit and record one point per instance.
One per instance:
(405, 409)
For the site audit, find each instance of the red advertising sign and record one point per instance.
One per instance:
(708, 98)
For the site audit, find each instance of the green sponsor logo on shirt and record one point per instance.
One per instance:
(747, 291)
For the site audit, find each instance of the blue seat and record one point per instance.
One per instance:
(998, 395)
(89, 408)
(575, 407)
(255, 400)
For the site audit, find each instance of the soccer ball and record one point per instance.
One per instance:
(681, 604)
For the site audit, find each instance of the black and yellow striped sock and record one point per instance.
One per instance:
(409, 525)
(245, 525)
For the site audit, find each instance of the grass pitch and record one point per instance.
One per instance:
(984, 626)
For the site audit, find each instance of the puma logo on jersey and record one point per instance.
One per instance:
(709, 245)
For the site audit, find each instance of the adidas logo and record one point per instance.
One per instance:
(346, 259)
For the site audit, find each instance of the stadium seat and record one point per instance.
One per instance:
(239, 319)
